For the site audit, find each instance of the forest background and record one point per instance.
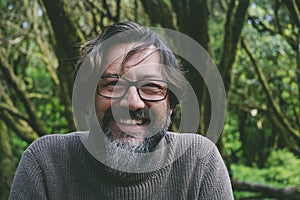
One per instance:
(254, 43)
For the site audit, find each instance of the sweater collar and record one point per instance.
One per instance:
(159, 158)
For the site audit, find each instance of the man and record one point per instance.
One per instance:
(129, 82)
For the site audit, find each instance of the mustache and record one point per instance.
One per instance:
(113, 113)
(141, 113)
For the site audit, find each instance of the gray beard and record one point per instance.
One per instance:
(128, 155)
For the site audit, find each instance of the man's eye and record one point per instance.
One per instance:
(152, 88)
(149, 85)
(152, 85)
(110, 85)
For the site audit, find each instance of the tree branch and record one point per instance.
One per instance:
(20, 127)
(44, 46)
(293, 6)
(235, 19)
(7, 165)
(97, 15)
(108, 12)
(15, 83)
(276, 12)
(283, 120)
(267, 191)
(12, 110)
(159, 12)
(67, 33)
(262, 27)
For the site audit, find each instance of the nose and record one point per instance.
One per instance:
(132, 100)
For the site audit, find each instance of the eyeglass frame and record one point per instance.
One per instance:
(135, 84)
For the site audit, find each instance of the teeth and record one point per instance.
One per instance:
(131, 121)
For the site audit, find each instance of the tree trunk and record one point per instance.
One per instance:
(234, 24)
(267, 191)
(235, 20)
(196, 13)
(159, 13)
(67, 34)
(16, 84)
(7, 167)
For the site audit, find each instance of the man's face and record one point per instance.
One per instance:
(129, 119)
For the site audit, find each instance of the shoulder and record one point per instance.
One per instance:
(203, 156)
(194, 142)
(197, 138)
(53, 138)
(194, 146)
(53, 144)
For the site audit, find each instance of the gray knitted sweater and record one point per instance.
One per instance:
(60, 167)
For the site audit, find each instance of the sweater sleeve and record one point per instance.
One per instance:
(29, 181)
(216, 182)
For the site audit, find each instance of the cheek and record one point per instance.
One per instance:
(160, 110)
(101, 106)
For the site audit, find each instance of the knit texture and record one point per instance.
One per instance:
(60, 167)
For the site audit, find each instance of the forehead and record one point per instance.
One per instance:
(143, 62)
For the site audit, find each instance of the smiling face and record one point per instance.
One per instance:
(129, 119)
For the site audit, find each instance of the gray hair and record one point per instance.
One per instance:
(95, 50)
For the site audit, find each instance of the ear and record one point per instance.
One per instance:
(171, 110)
(170, 105)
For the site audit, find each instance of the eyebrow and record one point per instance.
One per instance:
(146, 76)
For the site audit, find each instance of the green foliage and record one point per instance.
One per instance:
(282, 170)
(277, 59)
(231, 140)
(249, 139)
(216, 30)
(2, 3)
(17, 146)
(283, 167)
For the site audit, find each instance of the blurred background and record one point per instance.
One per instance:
(255, 45)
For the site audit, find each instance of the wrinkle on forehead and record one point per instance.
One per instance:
(139, 55)
(122, 57)
(118, 53)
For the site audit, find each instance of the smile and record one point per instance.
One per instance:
(133, 122)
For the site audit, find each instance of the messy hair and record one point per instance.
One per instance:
(95, 50)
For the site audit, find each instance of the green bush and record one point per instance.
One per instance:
(281, 169)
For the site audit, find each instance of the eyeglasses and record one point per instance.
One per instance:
(147, 89)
